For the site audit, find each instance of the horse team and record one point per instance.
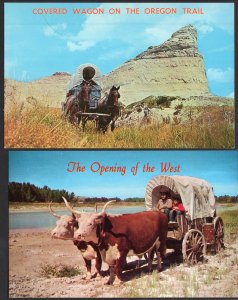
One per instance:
(77, 107)
(111, 238)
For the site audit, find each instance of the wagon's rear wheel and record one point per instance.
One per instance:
(219, 233)
(193, 247)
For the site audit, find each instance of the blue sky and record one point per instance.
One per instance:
(49, 168)
(38, 45)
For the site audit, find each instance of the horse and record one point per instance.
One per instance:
(77, 103)
(111, 107)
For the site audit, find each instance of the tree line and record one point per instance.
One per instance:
(99, 199)
(227, 199)
(28, 192)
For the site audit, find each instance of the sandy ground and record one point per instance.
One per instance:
(29, 250)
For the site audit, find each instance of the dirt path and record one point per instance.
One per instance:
(30, 251)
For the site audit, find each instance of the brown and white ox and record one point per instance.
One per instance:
(118, 235)
(64, 230)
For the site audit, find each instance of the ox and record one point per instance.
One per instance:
(64, 230)
(117, 235)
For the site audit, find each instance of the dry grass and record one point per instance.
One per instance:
(43, 127)
(60, 270)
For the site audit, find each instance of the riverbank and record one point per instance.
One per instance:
(44, 207)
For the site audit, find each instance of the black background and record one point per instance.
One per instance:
(4, 258)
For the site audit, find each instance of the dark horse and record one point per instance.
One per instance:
(76, 104)
(110, 107)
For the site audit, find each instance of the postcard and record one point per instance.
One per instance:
(120, 163)
(119, 75)
(123, 224)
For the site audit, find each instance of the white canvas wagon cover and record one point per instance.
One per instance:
(196, 194)
(77, 77)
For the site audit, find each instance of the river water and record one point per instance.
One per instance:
(20, 220)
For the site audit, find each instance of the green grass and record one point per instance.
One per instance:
(152, 101)
(230, 221)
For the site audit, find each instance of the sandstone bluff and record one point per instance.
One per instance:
(175, 68)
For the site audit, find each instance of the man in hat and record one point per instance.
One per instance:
(165, 203)
(95, 94)
(88, 73)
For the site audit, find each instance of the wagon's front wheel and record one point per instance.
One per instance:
(193, 247)
(219, 233)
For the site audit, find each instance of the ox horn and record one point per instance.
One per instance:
(70, 208)
(105, 206)
(52, 212)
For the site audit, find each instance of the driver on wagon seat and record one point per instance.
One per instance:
(165, 202)
(88, 73)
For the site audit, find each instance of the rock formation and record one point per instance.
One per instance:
(183, 43)
(48, 91)
(175, 68)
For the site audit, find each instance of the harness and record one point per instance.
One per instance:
(100, 232)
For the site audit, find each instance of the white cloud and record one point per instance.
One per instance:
(222, 49)
(231, 95)
(10, 63)
(143, 30)
(24, 75)
(219, 75)
(54, 30)
(96, 29)
(10, 67)
(79, 46)
(204, 28)
(126, 53)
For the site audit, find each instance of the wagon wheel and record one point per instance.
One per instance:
(193, 247)
(219, 233)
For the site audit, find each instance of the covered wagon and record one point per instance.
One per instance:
(89, 73)
(198, 230)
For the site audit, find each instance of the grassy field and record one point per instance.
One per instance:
(230, 220)
(41, 127)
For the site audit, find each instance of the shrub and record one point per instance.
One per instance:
(59, 271)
